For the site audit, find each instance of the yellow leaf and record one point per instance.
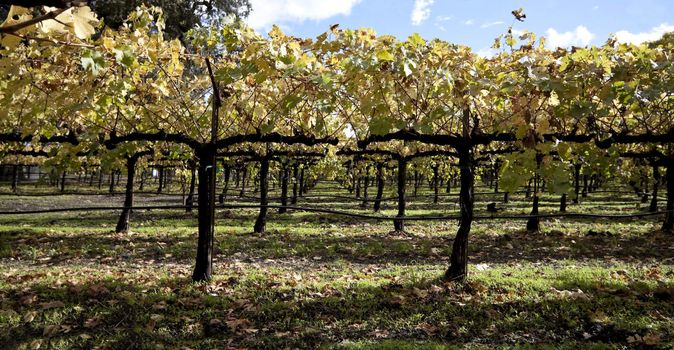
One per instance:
(83, 17)
(385, 55)
(16, 14)
(56, 25)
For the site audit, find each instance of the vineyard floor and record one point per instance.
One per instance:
(326, 281)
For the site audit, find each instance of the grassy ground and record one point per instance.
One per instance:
(321, 281)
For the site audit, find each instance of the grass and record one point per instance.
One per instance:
(319, 281)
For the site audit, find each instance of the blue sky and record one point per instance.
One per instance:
(473, 22)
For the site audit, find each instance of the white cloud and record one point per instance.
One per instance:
(469, 22)
(268, 12)
(491, 24)
(581, 36)
(440, 20)
(421, 12)
(655, 33)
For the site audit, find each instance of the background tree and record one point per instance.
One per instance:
(180, 15)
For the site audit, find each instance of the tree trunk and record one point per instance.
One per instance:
(436, 184)
(533, 224)
(293, 200)
(111, 189)
(91, 179)
(285, 174)
(244, 175)
(399, 225)
(100, 178)
(656, 186)
(528, 190)
(189, 202)
(576, 183)
(302, 189)
(143, 175)
(261, 222)
(562, 204)
(458, 266)
(584, 194)
(357, 179)
(496, 177)
(161, 180)
(350, 172)
(668, 225)
(203, 268)
(306, 185)
(63, 181)
(380, 187)
(366, 185)
(415, 183)
(225, 186)
(15, 178)
(506, 197)
(123, 222)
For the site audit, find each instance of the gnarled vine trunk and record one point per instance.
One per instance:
(366, 185)
(458, 262)
(399, 225)
(124, 218)
(261, 222)
(285, 173)
(380, 187)
(15, 178)
(293, 200)
(668, 225)
(203, 268)
(436, 184)
(225, 186)
(656, 186)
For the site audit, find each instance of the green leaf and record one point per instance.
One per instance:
(93, 61)
(125, 56)
(385, 55)
(416, 40)
(380, 125)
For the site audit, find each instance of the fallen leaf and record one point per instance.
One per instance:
(52, 305)
(29, 316)
(36, 344)
(651, 339)
(92, 322)
(51, 330)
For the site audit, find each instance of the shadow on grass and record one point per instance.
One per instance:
(366, 244)
(132, 310)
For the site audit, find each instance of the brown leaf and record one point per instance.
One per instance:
(651, 339)
(51, 330)
(29, 316)
(52, 305)
(428, 328)
(92, 322)
(36, 344)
